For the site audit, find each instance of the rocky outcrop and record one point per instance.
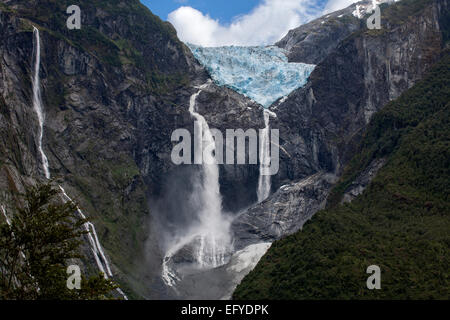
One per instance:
(314, 41)
(360, 184)
(284, 213)
(322, 122)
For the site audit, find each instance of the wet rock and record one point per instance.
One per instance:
(284, 212)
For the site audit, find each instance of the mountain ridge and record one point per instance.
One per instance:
(400, 222)
(115, 91)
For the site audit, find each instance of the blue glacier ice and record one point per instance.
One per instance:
(261, 73)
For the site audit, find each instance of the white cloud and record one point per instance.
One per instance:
(266, 24)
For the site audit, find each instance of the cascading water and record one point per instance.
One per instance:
(263, 74)
(264, 183)
(5, 215)
(95, 245)
(37, 99)
(214, 233)
(8, 222)
(96, 248)
(211, 239)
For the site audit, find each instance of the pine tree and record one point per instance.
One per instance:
(42, 236)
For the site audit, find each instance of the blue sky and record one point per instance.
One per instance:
(224, 10)
(239, 22)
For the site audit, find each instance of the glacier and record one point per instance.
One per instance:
(262, 73)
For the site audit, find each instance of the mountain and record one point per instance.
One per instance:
(395, 221)
(326, 119)
(314, 41)
(115, 91)
(400, 222)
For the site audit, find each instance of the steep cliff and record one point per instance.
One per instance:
(368, 69)
(314, 41)
(113, 93)
(399, 223)
(321, 124)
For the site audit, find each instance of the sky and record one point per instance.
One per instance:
(239, 22)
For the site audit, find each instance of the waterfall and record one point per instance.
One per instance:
(37, 99)
(264, 183)
(211, 239)
(94, 242)
(96, 248)
(214, 234)
(8, 221)
(5, 215)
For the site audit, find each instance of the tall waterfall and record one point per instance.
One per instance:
(97, 250)
(213, 230)
(264, 74)
(210, 239)
(264, 183)
(37, 99)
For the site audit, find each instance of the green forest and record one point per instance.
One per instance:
(400, 223)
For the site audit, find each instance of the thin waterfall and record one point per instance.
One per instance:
(264, 183)
(37, 98)
(5, 215)
(8, 221)
(94, 242)
(96, 248)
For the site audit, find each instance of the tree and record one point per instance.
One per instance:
(35, 246)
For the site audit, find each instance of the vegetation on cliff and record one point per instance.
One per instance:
(399, 223)
(35, 246)
(120, 34)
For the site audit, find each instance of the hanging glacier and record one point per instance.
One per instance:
(262, 74)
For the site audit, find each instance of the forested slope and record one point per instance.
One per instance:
(400, 223)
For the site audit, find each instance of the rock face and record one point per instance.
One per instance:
(363, 180)
(113, 93)
(322, 123)
(284, 213)
(314, 41)
(95, 108)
